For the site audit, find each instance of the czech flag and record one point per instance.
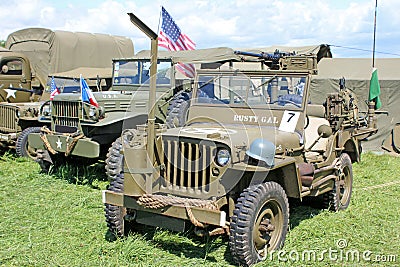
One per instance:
(86, 93)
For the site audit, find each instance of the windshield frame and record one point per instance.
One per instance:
(141, 83)
(213, 76)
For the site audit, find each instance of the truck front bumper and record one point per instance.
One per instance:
(84, 147)
(8, 137)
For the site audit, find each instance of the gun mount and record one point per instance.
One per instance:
(283, 60)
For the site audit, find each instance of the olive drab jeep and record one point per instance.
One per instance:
(252, 140)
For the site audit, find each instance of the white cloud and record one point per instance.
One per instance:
(252, 23)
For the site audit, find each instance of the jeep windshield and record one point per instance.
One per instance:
(137, 73)
(255, 91)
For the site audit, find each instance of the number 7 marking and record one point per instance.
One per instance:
(291, 114)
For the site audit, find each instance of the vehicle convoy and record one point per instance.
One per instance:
(80, 129)
(30, 56)
(252, 140)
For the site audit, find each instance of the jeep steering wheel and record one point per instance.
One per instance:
(286, 102)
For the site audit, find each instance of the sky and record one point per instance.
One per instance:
(346, 25)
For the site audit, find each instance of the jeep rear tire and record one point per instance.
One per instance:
(259, 223)
(117, 226)
(339, 197)
(22, 148)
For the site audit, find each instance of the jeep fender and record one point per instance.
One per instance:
(352, 147)
(284, 173)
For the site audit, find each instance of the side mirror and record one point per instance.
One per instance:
(324, 131)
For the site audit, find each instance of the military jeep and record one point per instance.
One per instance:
(252, 140)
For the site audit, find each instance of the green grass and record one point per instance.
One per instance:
(58, 220)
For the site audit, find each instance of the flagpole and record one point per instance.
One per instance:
(159, 19)
(373, 49)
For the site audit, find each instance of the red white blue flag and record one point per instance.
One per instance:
(53, 89)
(86, 93)
(173, 39)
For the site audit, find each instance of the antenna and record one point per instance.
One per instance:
(373, 49)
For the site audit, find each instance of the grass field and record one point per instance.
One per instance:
(58, 220)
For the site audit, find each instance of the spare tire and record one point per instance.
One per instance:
(178, 109)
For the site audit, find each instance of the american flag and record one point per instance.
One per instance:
(53, 89)
(173, 39)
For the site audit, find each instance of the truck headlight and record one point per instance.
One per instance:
(45, 110)
(92, 112)
(95, 113)
(223, 157)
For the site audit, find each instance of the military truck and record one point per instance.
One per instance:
(30, 56)
(252, 140)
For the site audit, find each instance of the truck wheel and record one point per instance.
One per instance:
(259, 223)
(114, 160)
(339, 197)
(115, 214)
(22, 148)
(177, 109)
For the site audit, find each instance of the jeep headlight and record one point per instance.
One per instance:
(223, 157)
(45, 110)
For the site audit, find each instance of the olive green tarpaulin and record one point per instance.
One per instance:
(57, 51)
(357, 72)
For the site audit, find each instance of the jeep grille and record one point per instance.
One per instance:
(9, 119)
(188, 164)
(66, 113)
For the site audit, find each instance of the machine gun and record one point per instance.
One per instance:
(271, 60)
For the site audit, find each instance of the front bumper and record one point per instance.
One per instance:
(206, 216)
(84, 147)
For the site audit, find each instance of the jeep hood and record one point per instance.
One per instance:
(236, 136)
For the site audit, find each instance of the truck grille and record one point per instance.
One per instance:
(66, 113)
(188, 164)
(9, 120)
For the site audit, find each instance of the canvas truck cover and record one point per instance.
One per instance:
(357, 72)
(58, 51)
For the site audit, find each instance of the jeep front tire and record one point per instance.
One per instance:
(259, 223)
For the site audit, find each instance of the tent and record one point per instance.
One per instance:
(357, 72)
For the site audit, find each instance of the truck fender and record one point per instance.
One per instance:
(115, 117)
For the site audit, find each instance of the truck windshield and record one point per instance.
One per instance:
(275, 91)
(138, 73)
(72, 85)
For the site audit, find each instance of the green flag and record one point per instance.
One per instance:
(375, 89)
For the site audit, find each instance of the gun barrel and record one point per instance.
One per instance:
(262, 55)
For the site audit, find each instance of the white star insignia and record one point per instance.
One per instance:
(59, 143)
(10, 93)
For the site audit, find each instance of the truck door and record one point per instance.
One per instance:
(15, 80)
